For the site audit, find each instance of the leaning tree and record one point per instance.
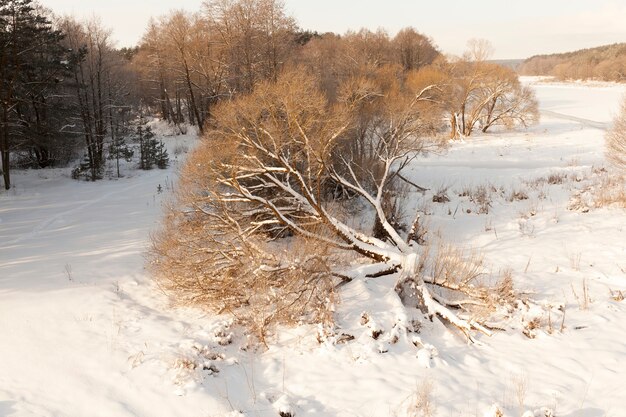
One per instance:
(259, 222)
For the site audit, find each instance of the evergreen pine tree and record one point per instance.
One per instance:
(151, 151)
(147, 149)
(162, 158)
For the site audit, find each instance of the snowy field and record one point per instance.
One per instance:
(84, 331)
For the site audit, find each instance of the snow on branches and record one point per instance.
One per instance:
(262, 223)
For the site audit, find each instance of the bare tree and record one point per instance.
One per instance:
(179, 32)
(414, 49)
(478, 50)
(506, 102)
(481, 94)
(91, 64)
(616, 139)
(151, 64)
(258, 36)
(261, 178)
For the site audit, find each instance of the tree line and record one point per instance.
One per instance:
(607, 63)
(66, 90)
(190, 61)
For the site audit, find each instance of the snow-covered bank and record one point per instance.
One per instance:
(85, 332)
(77, 312)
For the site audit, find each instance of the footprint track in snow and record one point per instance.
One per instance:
(44, 225)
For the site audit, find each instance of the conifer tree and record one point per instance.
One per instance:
(162, 159)
(119, 149)
(151, 151)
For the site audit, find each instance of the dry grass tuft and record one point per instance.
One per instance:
(421, 402)
(457, 274)
(610, 191)
(481, 196)
(452, 264)
(517, 195)
(583, 299)
(617, 295)
(603, 188)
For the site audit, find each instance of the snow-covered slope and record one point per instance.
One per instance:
(84, 332)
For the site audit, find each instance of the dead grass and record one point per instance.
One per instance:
(554, 178)
(520, 384)
(451, 263)
(421, 402)
(517, 195)
(582, 297)
(600, 188)
(617, 295)
(456, 273)
(441, 195)
(481, 196)
(574, 260)
(610, 191)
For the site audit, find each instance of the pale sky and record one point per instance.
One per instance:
(516, 28)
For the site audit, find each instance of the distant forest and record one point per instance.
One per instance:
(607, 63)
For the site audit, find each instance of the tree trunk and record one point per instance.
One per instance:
(192, 99)
(4, 148)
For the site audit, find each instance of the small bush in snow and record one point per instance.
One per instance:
(517, 195)
(616, 139)
(421, 402)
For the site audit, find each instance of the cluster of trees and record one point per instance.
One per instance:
(63, 88)
(478, 94)
(190, 61)
(66, 89)
(298, 126)
(606, 63)
(263, 215)
(100, 90)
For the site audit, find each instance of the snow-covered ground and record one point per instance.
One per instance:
(84, 331)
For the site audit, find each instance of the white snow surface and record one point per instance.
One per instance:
(85, 332)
